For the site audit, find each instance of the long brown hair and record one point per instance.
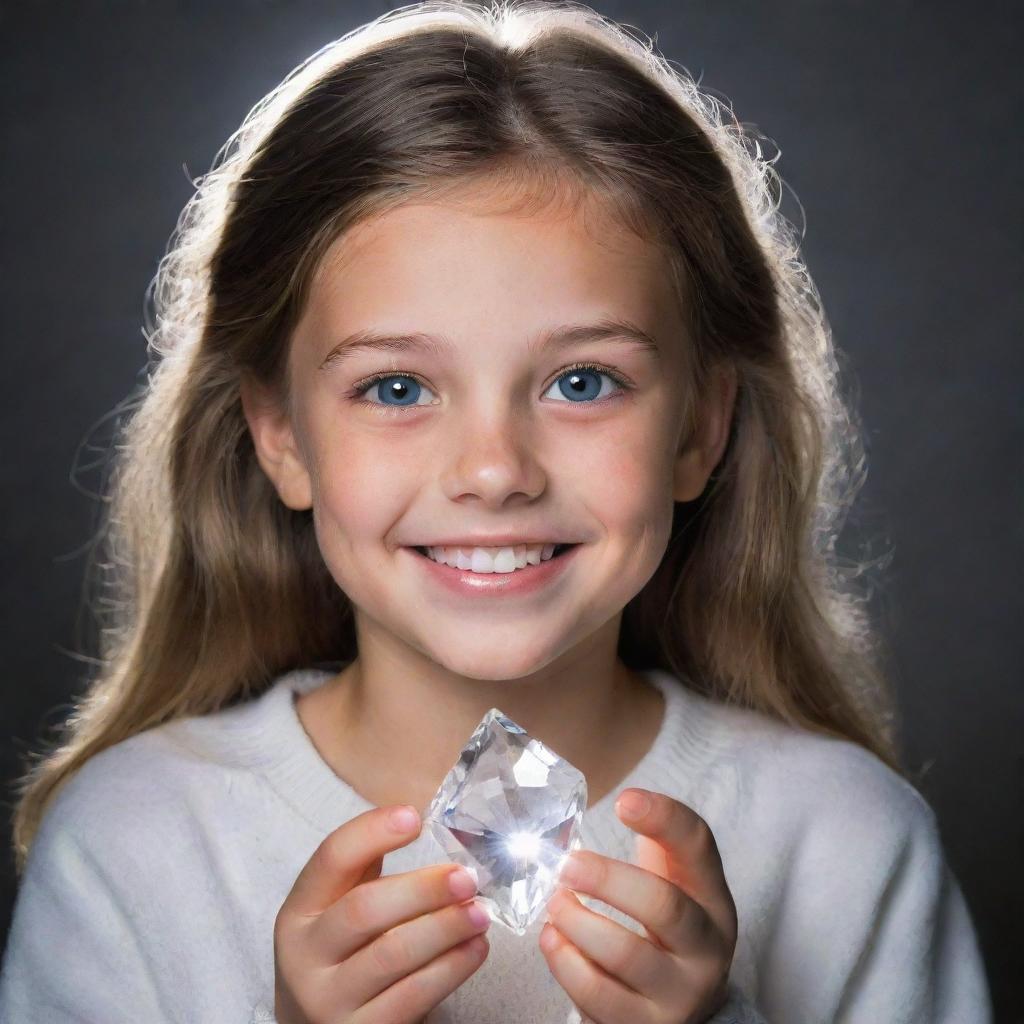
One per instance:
(209, 586)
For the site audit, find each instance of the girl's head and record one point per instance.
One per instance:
(486, 177)
(478, 429)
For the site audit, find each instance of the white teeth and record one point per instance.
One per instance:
(487, 560)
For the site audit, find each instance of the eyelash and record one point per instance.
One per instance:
(363, 386)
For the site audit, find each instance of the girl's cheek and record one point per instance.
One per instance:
(624, 468)
(358, 494)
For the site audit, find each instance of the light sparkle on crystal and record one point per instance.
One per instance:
(509, 811)
(523, 844)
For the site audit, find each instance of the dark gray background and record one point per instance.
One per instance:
(900, 132)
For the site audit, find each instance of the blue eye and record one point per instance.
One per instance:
(577, 383)
(402, 387)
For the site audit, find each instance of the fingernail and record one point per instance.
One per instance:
(548, 938)
(405, 819)
(478, 914)
(571, 871)
(461, 883)
(634, 805)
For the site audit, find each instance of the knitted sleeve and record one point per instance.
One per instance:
(73, 953)
(920, 963)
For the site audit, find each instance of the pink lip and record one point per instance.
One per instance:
(522, 581)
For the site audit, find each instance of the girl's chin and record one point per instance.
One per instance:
(482, 661)
(487, 668)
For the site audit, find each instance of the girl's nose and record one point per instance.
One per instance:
(493, 463)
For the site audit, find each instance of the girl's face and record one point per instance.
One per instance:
(480, 428)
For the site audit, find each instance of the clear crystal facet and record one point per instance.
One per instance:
(510, 812)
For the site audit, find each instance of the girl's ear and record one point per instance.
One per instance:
(276, 448)
(702, 451)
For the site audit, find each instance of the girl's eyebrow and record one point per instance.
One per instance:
(608, 329)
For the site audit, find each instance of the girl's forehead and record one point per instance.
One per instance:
(517, 263)
(466, 238)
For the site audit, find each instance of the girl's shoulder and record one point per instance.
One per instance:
(129, 791)
(812, 779)
(139, 784)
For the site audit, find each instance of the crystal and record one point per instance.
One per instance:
(509, 811)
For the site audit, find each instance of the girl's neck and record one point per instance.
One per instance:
(392, 742)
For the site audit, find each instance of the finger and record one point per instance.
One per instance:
(623, 954)
(677, 843)
(677, 922)
(596, 993)
(404, 949)
(348, 855)
(412, 998)
(368, 910)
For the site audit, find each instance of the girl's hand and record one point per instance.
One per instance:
(679, 973)
(350, 946)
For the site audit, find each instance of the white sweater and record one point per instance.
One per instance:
(151, 889)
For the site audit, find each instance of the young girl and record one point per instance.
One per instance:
(487, 374)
